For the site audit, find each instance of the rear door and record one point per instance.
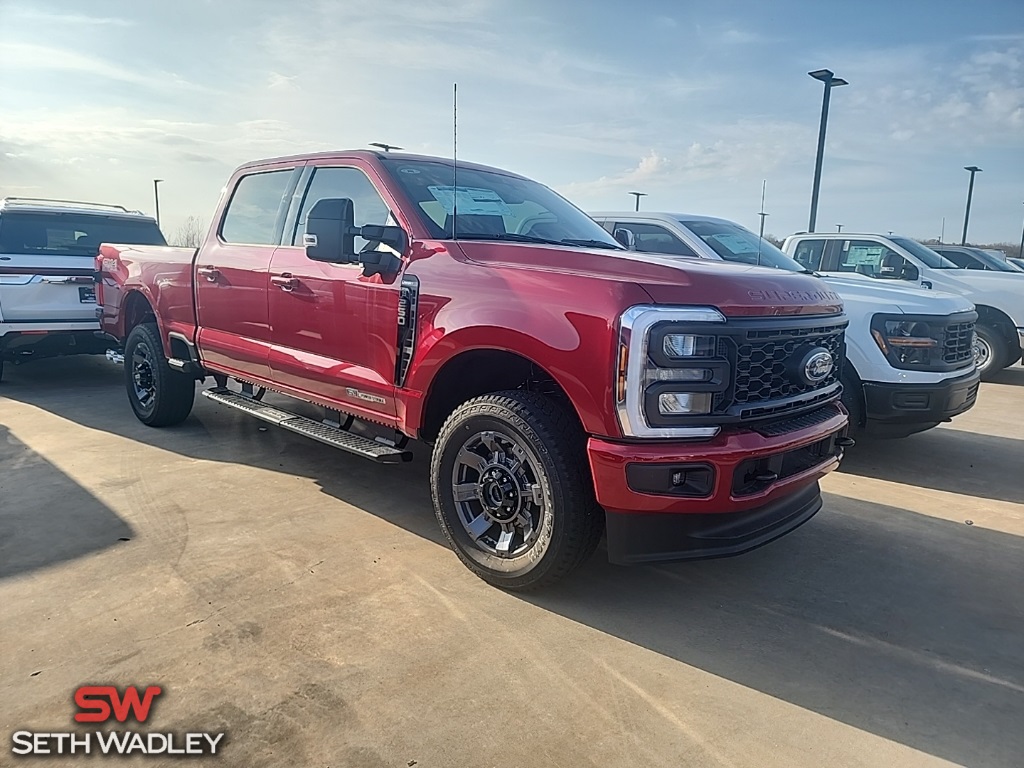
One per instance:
(232, 271)
(47, 260)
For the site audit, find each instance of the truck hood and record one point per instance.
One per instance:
(1001, 290)
(735, 289)
(866, 295)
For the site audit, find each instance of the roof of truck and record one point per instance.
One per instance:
(366, 154)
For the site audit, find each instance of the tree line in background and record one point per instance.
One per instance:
(190, 234)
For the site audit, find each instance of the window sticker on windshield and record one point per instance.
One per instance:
(736, 243)
(471, 200)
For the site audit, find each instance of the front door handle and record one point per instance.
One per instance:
(209, 273)
(285, 282)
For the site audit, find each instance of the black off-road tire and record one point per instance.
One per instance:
(998, 352)
(164, 396)
(547, 445)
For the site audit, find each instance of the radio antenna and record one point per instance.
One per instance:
(455, 157)
(762, 214)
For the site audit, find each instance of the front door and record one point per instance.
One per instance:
(232, 275)
(334, 331)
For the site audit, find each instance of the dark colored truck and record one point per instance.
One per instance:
(566, 386)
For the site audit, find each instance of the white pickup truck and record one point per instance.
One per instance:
(998, 297)
(47, 254)
(910, 352)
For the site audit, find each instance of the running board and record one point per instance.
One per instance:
(332, 436)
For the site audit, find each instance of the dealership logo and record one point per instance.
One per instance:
(103, 704)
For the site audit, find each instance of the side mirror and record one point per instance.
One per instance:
(382, 262)
(625, 238)
(891, 266)
(331, 232)
(910, 272)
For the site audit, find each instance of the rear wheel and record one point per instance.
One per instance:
(990, 351)
(512, 490)
(159, 395)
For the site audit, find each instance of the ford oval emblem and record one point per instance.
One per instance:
(817, 365)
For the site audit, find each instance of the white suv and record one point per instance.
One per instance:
(47, 257)
(909, 352)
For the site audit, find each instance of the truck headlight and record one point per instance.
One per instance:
(907, 342)
(669, 369)
(682, 403)
(679, 346)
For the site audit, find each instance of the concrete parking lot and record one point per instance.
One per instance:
(304, 601)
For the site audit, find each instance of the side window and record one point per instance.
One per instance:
(864, 257)
(258, 203)
(809, 252)
(962, 260)
(650, 238)
(367, 204)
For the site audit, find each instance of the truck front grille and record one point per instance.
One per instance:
(958, 343)
(763, 360)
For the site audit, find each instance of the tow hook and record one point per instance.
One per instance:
(845, 442)
(115, 357)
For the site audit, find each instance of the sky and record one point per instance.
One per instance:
(693, 103)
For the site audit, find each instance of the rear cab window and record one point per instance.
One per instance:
(71, 234)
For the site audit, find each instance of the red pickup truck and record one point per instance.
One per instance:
(566, 386)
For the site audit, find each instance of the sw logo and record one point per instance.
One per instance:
(102, 704)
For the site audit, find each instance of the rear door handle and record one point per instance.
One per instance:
(285, 282)
(209, 273)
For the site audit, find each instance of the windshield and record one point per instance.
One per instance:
(72, 234)
(925, 254)
(734, 243)
(993, 262)
(490, 205)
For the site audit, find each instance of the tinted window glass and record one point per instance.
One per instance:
(367, 205)
(924, 253)
(809, 252)
(734, 243)
(864, 257)
(69, 234)
(256, 206)
(492, 205)
(961, 259)
(651, 238)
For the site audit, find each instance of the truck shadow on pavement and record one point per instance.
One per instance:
(944, 459)
(895, 623)
(1012, 375)
(35, 530)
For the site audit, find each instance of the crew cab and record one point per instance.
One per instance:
(910, 352)
(687, 409)
(47, 249)
(968, 257)
(998, 297)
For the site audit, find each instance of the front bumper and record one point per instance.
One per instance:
(897, 410)
(735, 492)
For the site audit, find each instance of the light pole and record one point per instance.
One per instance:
(638, 195)
(828, 78)
(156, 199)
(839, 227)
(970, 193)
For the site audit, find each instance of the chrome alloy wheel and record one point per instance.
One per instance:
(498, 495)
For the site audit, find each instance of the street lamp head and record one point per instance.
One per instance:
(639, 194)
(828, 77)
(972, 168)
(157, 181)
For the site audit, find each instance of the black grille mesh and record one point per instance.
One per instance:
(958, 343)
(762, 358)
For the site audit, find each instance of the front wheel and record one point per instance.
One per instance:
(159, 395)
(990, 351)
(512, 490)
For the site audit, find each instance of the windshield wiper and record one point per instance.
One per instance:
(511, 237)
(592, 244)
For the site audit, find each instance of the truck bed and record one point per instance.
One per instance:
(163, 275)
